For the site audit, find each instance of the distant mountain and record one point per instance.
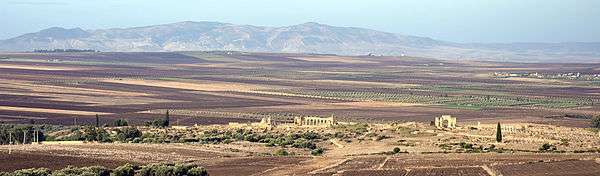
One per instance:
(304, 38)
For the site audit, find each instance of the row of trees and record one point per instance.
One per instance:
(90, 133)
(161, 169)
(20, 134)
(159, 122)
(63, 50)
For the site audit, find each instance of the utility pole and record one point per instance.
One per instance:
(24, 137)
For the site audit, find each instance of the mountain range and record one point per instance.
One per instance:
(302, 38)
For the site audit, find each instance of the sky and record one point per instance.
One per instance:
(466, 21)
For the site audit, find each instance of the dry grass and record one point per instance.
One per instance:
(200, 86)
(36, 88)
(535, 80)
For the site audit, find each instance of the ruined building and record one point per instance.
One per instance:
(314, 121)
(265, 123)
(445, 121)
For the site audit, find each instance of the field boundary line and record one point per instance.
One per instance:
(489, 170)
(383, 163)
(331, 166)
(274, 168)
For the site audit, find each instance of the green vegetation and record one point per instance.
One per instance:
(281, 152)
(396, 150)
(297, 140)
(317, 152)
(128, 134)
(464, 147)
(452, 97)
(28, 172)
(120, 123)
(358, 129)
(95, 134)
(160, 122)
(161, 169)
(19, 134)
(97, 121)
(498, 133)
(596, 122)
(547, 147)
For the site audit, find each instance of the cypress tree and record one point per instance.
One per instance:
(167, 120)
(97, 121)
(498, 133)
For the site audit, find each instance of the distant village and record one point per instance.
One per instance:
(568, 75)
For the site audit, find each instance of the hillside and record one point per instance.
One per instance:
(303, 38)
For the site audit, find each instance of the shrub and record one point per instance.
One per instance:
(547, 147)
(596, 122)
(124, 170)
(197, 171)
(159, 123)
(84, 171)
(301, 143)
(281, 152)
(128, 134)
(396, 150)
(31, 172)
(310, 135)
(172, 170)
(317, 152)
(120, 123)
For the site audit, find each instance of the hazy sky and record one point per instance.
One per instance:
(450, 20)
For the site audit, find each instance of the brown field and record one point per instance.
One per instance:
(59, 86)
(217, 88)
(221, 160)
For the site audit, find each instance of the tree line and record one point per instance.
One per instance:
(159, 169)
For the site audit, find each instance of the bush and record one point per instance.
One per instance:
(317, 152)
(596, 122)
(172, 170)
(120, 123)
(124, 170)
(159, 123)
(281, 152)
(84, 171)
(547, 147)
(301, 143)
(31, 172)
(91, 133)
(128, 134)
(197, 171)
(396, 150)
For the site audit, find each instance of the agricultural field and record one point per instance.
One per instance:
(107, 109)
(222, 87)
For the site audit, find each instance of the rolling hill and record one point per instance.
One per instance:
(302, 38)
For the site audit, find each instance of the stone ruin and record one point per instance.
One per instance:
(265, 123)
(314, 121)
(445, 122)
(302, 121)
